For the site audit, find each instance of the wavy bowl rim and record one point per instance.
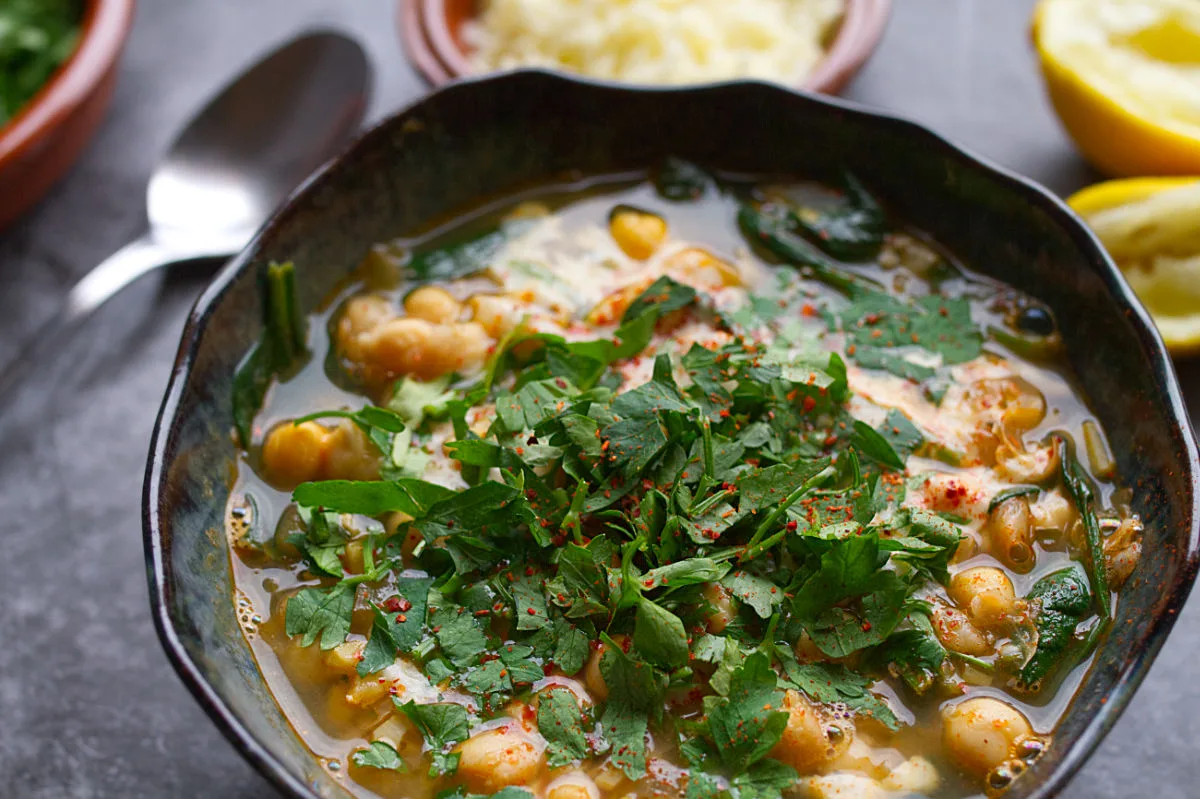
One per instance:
(168, 421)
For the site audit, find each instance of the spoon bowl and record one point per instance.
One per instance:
(255, 141)
(233, 164)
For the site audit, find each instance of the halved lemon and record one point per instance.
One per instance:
(1151, 227)
(1124, 78)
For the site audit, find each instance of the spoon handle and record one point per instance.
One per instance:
(39, 371)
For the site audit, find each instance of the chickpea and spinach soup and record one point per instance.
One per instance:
(687, 487)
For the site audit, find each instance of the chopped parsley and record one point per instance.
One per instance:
(616, 526)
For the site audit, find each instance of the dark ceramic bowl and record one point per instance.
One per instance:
(489, 136)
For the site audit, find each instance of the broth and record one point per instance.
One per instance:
(858, 676)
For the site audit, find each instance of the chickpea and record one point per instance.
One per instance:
(397, 731)
(986, 594)
(496, 314)
(695, 265)
(982, 732)
(352, 556)
(344, 657)
(961, 493)
(1010, 534)
(915, 775)
(842, 786)
(573, 785)
(400, 346)
(957, 633)
(296, 453)
(805, 744)
(1122, 550)
(610, 309)
(1017, 464)
(1052, 511)
(360, 316)
(433, 304)
(351, 455)
(497, 758)
(637, 233)
(724, 611)
(460, 347)
(366, 691)
(1013, 402)
(529, 209)
(593, 678)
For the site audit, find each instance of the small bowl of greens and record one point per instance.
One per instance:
(58, 63)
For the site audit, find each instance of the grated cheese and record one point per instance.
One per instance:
(656, 41)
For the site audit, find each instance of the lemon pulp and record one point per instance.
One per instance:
(1124, 77)
(1149, 226)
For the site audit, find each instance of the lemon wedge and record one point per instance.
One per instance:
(1124, 78)
(1151, 227)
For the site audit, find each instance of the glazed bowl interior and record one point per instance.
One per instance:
(488, 137)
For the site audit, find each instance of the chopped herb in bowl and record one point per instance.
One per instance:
(684, 489)
(36, 37)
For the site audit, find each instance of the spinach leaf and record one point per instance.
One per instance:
(851, 232)
(1063, 600)
(682, 181)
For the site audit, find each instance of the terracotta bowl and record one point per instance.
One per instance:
(431, 31)
(43, 140)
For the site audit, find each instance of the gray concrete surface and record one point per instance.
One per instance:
(89, 706)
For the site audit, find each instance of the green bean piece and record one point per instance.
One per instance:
(1080, 490)
(1009, 493)
(1099, 457)
(1029, 346)
(282, 344)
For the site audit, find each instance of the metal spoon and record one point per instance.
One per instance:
(227, 171)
